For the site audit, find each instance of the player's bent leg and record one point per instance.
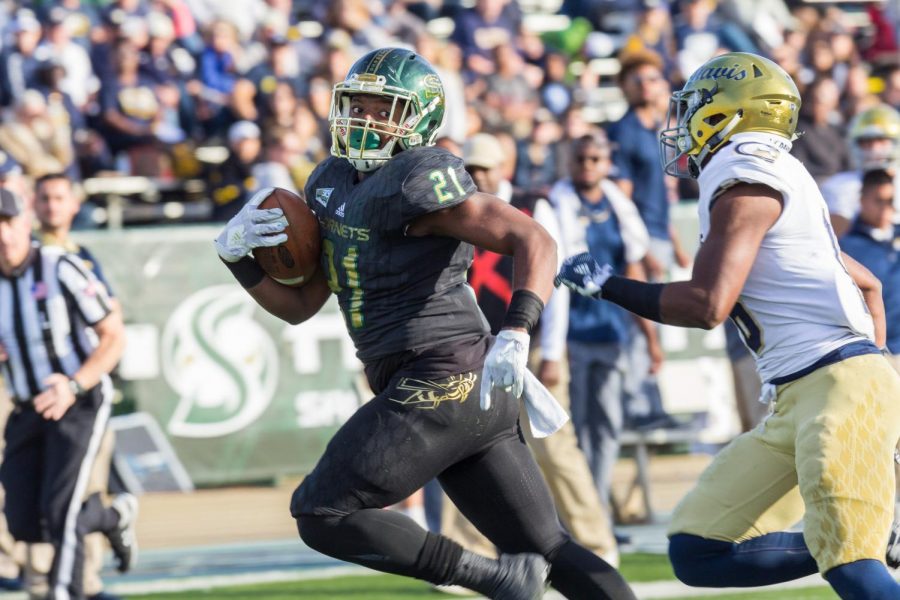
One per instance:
(338, 507)
(735, 515)
(765, 560)
(503, 493)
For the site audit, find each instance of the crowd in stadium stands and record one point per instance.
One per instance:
(136, 86)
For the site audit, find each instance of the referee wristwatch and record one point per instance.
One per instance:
(75, 387)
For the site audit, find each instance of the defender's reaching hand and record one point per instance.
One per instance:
(583, 274)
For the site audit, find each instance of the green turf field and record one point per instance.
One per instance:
(635, 567)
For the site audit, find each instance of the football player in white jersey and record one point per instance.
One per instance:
(814, 320)
(874, 144)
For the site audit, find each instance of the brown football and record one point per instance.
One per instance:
(293, 262)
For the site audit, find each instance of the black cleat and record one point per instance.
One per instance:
(122, 539)
(524, 577)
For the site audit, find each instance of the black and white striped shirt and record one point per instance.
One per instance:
(47, 310)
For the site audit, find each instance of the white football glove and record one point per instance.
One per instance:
(584, 275)
(251, 228)
(505, 365)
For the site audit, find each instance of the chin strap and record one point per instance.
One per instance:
(696, 162)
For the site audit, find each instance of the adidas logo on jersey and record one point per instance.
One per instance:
(340, 211)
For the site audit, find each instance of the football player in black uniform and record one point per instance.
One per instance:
(398, 219)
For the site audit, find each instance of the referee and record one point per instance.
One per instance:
(61, 340)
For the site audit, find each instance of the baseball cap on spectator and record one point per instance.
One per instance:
(8, 165)
(10, 204)
(243, 130)
(484, 151)
(26, 21)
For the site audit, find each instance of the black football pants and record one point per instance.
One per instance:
(417, 429)
(45, 471)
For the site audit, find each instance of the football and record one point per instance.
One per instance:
(293, 262)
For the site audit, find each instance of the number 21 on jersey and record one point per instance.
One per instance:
(350, 267)
(440, 184)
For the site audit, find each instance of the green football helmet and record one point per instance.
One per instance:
(417, 107)
(730, 94)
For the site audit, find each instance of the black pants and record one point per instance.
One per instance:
(417, 429)
(45, 471)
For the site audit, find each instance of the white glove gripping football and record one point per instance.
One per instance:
(505, 365)
(251, 228)
(583, 274)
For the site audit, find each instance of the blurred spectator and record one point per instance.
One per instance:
(563, 464)
(282, 153)
(39, 141)
(653, 31)
(80, 18)
(508, 95)
(129, 108)
(821, 146)
(79, 80)
(536, 167)
(856, 95)
(874, 144)
(232, 182)
(556, 91)
(700, 34)
(118, 11)
(446, 59)
(218, 76)
(481, 29)
(636, 155)
(595, 215)
(354, 19)
(874, 241)
(22, 59)
(280, 71)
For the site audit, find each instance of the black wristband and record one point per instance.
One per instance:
(524, 310)
(247, 271)
(639, 297)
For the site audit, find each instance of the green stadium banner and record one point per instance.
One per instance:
(243, 396)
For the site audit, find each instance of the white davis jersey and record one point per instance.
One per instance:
(799, 302)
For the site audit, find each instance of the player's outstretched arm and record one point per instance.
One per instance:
(293, 305)
(870, 287)
(739, 219)
(490, 223)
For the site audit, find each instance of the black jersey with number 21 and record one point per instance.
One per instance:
(396, 292)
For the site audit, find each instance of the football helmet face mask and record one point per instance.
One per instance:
(416, 98)
(732, 93)
(875, 138)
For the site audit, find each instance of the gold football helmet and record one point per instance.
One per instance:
(732, 93)
(875, 138)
